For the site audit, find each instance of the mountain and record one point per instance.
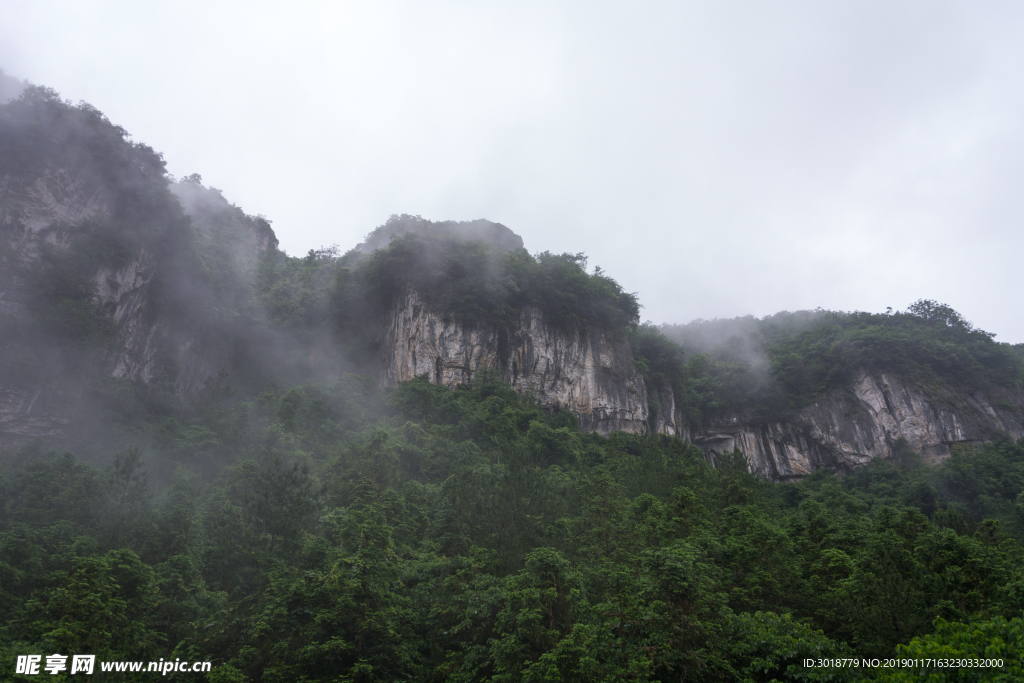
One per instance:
(111, 271)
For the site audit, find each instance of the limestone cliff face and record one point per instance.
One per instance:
(591, 375)
(595, 378)
(43, 379)
(152, 340)
(46, 214)
(668, 417)
(844, 430)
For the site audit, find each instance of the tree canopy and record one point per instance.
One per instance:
(428, 534)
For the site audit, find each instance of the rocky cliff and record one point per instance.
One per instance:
(596, 378)
(168, 333)
(43, 223)
(101, 270)
(849, 428)
(592, 375)
(37, 218)
(666, 415)
(110, 269)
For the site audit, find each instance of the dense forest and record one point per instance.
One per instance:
(290, 520)
(429, 534)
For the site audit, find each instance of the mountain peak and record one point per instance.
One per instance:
(495, 235)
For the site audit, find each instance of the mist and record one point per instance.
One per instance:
(9, 87)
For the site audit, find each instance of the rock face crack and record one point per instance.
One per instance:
(831, 435)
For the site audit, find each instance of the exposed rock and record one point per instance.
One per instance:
(592, 375)
(43, 410)
(844, 430)
(667, 417)
(41, 385)
(44, 213)
(595, 378)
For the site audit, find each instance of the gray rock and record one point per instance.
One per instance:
(847, 429)
(593, 375)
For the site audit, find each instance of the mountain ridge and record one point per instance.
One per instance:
(170, 285)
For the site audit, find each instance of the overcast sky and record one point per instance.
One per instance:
(717, 158)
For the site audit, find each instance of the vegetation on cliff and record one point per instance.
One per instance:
(767, 367)
(478, 282)
(119, 185)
